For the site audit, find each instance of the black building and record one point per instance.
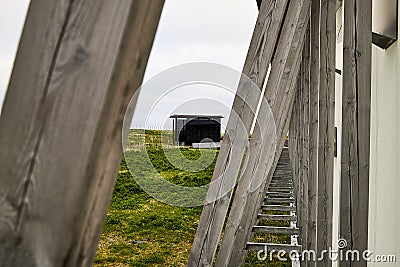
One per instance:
(189, 129)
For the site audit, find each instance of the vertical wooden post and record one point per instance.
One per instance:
(293, 139)
(297, 178)
(357, 42)
(313, 126)
(305, 87)
(294, 133)
(77, 66)
(300, 196)
(326, 126)
(225, 175)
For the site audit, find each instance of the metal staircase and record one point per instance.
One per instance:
(279, 207)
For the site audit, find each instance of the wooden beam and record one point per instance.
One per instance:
(294, 134)
(232, 150)
(305, 99)
(77, 66)
(356, 98)
(326, 126)
(280, 95)
(313, 126)
(297, 111)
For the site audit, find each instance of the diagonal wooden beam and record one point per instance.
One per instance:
(280, 95)
(356, 101)
(77, 66)
(233, 146)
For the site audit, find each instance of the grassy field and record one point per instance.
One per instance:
(142, 231)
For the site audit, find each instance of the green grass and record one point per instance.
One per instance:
(142, 231)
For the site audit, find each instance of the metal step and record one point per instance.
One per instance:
(270, 246)
(281, 182)
(278, 179)
(281, 187)
(275, 230)
(279, 194)
(279, 190)
(279, 200)
(277, 208)
(269, 217)
(284, 185)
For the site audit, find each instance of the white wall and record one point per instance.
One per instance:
(338, 122)
(384, 233)
(384, 221)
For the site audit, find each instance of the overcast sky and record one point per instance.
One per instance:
(214, 31)
(12, 16)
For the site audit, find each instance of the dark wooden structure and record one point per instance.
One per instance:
(189, 129)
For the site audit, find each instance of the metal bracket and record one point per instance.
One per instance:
(384, 22)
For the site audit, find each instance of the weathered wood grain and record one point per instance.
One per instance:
(313, 126)
(356, 99)
(280, 95)
(326, 126)
(61, 126)
(300, 159)
(293, 140)
(226, 171)
(305, 87)
(293, 146)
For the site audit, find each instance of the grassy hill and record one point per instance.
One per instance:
(142, 231)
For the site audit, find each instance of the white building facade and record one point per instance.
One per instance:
(384, 206)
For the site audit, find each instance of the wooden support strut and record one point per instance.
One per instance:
(356, 109)
(326, 127)
(280, 94)
(225, 175)
(293, 145)
(77, 66)
(305, 84)
(313, 126)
